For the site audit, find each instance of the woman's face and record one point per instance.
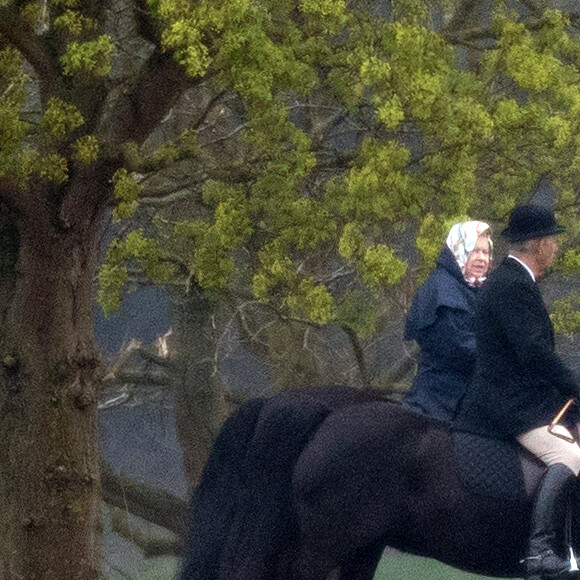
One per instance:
(477, 263)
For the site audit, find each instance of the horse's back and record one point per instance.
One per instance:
(253, 520)
(377, 474)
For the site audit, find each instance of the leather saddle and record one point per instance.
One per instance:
(495, 467)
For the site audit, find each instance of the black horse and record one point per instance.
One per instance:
(314, 483)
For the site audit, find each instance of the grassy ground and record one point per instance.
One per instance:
(396, 567)
(153, 569)
(405, 567)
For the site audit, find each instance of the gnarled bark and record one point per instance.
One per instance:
(200, 404)
(49, 472)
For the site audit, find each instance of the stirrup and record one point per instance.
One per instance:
(560, 569)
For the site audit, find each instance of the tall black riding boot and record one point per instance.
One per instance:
(548, 556)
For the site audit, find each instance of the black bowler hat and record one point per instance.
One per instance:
(529, 222)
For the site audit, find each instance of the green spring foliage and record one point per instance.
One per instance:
(74, 22)
(566, 314)
(312, 301)
(60, 118)
(92, 56)
(358, 310)
(135, 249)
(127, 190)
(40, 140)
(356, 130)
(86, 149)
(440, 140)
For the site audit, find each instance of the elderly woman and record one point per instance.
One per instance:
(441, 321)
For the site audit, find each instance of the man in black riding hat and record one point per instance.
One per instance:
(521, 384)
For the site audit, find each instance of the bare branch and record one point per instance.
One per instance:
(146, 353)
(156, 354)
(396, 378)
(223, 138)
(154, 505)
(151, 544)
(123, 356)
(358, 354)
(134, 377)
(167, 198)
(119, 398)
(463, 14)
(212, 102)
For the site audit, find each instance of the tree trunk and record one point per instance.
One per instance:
(49, 470)
(200, 404)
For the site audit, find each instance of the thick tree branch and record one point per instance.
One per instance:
(155, 93)
(122, 358)
(9, 195)
(22, 36)
(395, 379)
(154, 505)
(151, 544)
(87, 192)
(464, 13)
(140, 378)
(164, 199)
(358, 354)
(467, 36)
(150, 353)
(145, 24)
(150, 356)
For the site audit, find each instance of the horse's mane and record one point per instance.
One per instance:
(256, 437)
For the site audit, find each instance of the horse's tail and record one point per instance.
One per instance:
(214, 501)
(264, 523)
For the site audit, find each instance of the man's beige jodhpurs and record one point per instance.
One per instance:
(551, 449)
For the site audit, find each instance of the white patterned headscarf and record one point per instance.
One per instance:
(462, 239)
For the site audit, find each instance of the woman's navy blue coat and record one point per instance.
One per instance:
(441, 320)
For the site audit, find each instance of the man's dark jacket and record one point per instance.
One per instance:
(441, 320)
(520, 382)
